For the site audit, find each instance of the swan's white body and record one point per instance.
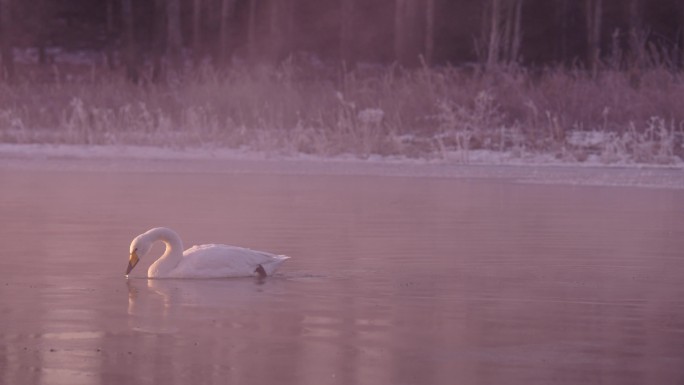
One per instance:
(204, 261)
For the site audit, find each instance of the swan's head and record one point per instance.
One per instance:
(139, 247)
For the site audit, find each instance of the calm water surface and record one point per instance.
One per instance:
(393, 281)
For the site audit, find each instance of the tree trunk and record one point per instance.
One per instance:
(635, 14)
(109, 51)
(637, 36)
(494, 49)
(398, 29)
(288, 26)
(516, 39)
(174, 39)
(407, 31)
(681, 35)
(6, 45)
(251, 30)
(346, 33)
(130, 50)
(224, 52)
(197, 31)
(280, 13)
(505, 32)
(41, 31)
(594, 16)
(429, 32)
(159, 42)
(562, 49)
(508, 22)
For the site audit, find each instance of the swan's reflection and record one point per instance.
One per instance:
(164, 305)
(231, 326)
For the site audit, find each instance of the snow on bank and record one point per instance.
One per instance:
(477, 164)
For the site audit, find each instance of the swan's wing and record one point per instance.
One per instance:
(207, 261)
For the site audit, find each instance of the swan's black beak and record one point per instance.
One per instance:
(132, 261)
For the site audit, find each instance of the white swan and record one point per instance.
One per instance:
(204, 261)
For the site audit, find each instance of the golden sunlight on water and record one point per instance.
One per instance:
(393, 281)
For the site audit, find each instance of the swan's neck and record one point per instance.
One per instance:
(163, 266)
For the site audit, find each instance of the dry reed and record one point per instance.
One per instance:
(388, 111)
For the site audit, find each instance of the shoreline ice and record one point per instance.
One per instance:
(543, 169)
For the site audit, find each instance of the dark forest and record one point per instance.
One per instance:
(410, 32)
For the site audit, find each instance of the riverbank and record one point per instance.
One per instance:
(136, 159)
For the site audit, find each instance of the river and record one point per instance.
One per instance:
(393, 280)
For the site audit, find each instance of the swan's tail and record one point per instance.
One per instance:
(271, 266)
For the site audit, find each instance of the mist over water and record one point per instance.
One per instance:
(393, 280)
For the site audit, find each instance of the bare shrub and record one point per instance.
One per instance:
(425, 112)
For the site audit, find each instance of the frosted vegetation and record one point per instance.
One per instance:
(301, 107)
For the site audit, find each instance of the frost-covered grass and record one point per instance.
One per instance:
(617, 117)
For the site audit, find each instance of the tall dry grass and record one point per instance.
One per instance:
(301, 108)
